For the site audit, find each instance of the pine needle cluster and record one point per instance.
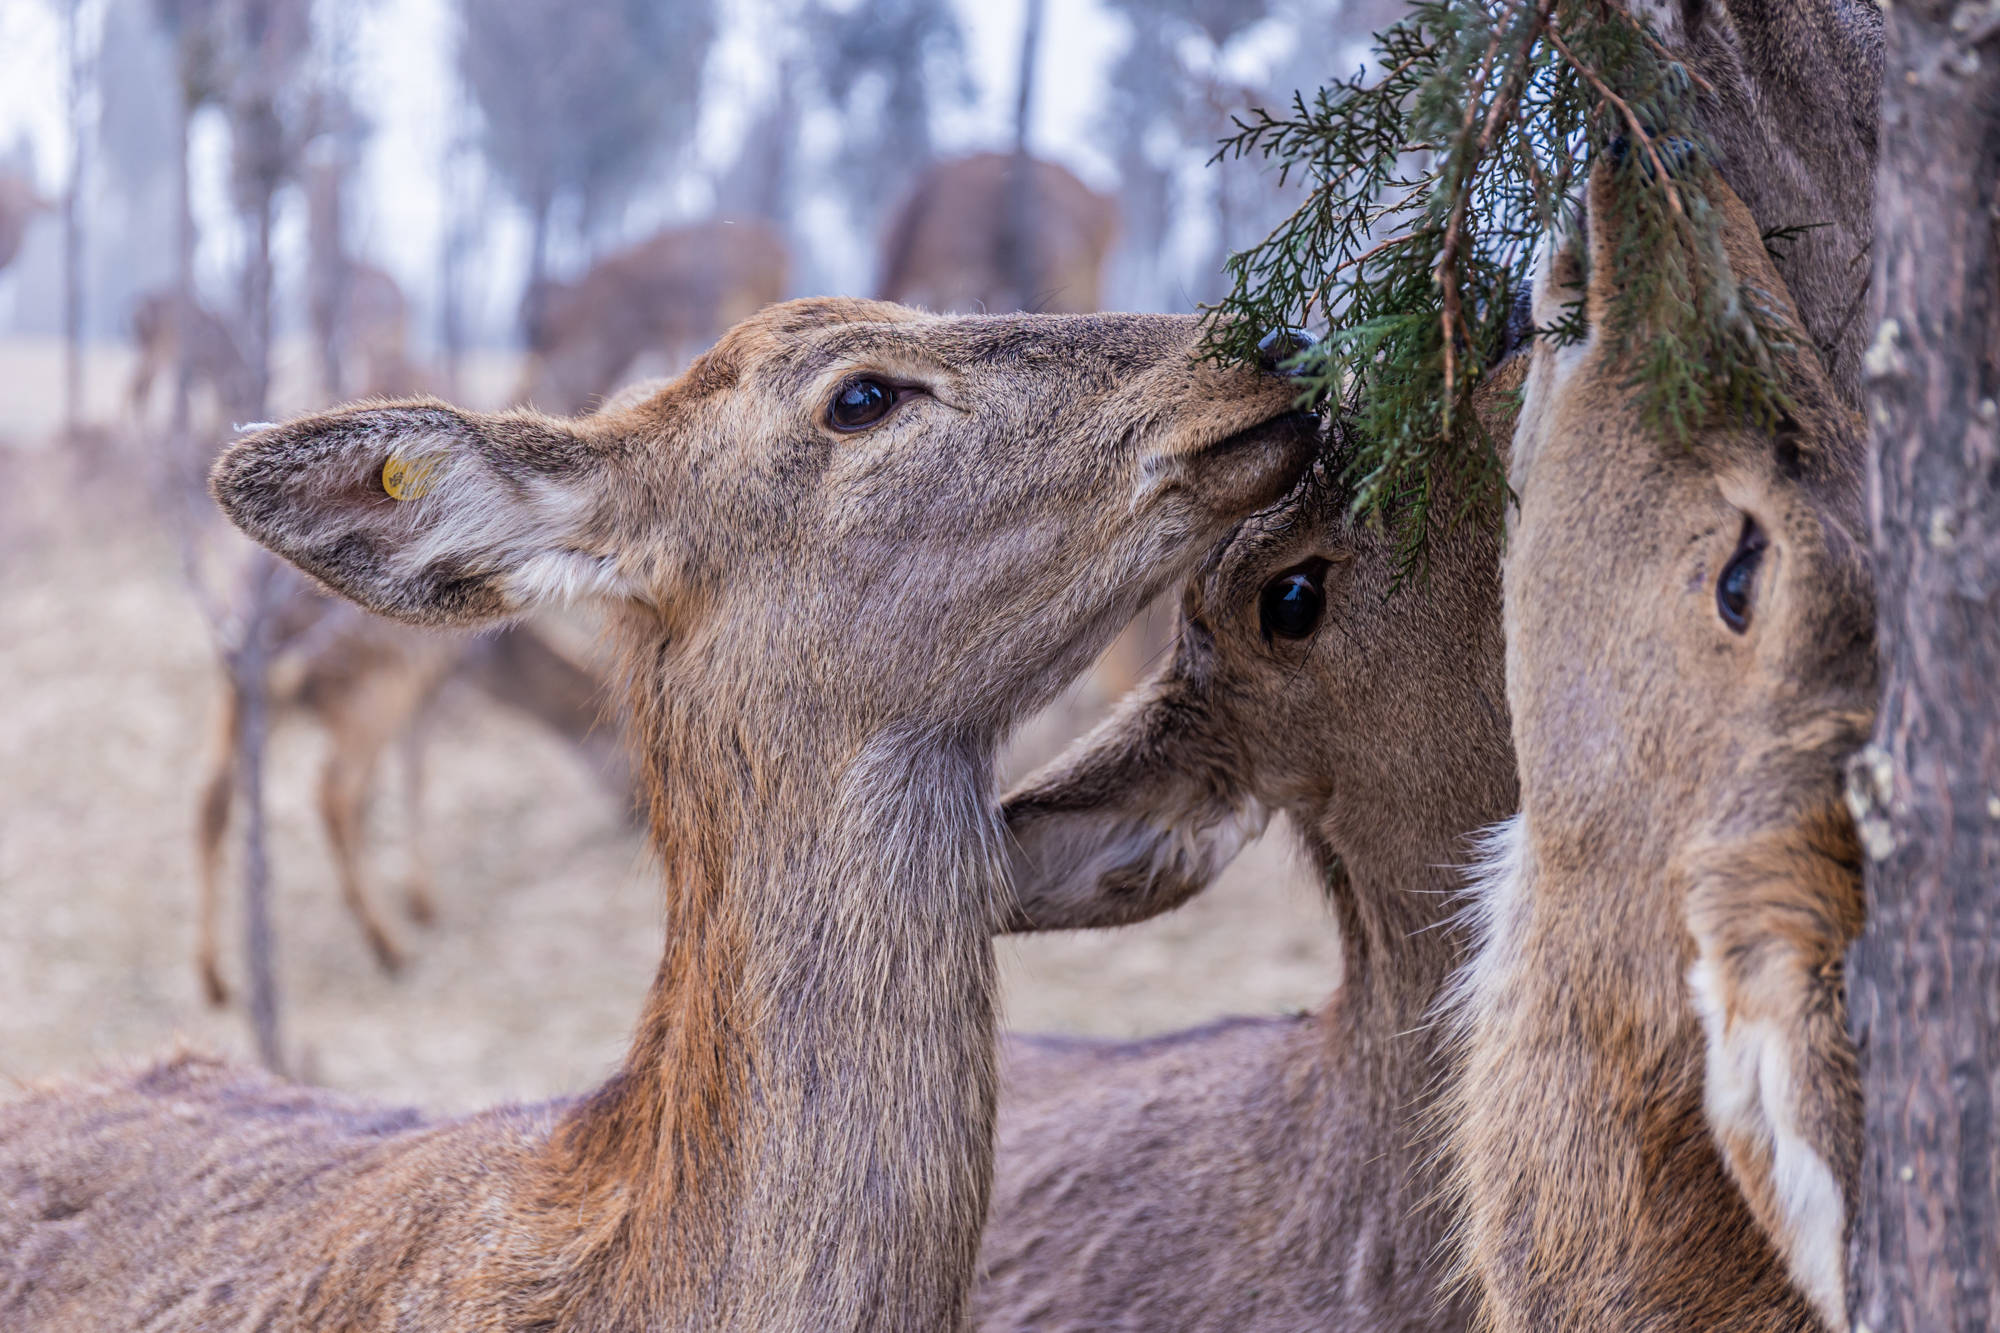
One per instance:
(1433, 175)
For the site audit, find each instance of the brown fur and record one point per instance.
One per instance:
(826, 635)
(1788, 95)
(946, 247)
(1263, 1174)
(367, 683)
(671, 294)
(213, 359)
(1680, 788)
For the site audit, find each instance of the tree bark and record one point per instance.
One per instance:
(72, 223)
(1925, 977)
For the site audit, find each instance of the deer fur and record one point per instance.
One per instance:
(368, 683)
(671, 294)
(826, 635)
(1655, 1123)
(1787, 93)
(1263, 1174)
(946, 248)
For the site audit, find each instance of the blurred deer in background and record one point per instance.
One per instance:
(1264, 1174)
(845, 552)
(670, 295)
(960, 239)
(368, 684)
(212, 356)
(19, 204)
(1657, 1119)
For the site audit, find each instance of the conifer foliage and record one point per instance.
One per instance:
(1432, 176)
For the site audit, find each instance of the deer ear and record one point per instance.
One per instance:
(433, 515)
(1133, 820)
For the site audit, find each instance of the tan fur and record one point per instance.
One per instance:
(1680, 788)
(826, 635)
(367, 684)
(670, 294)
(1263, 1174)
(945, 249)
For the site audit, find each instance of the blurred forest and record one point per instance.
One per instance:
(214, 212)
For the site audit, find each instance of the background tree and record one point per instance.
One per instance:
(1926, 973)
(888, 68)
(578, 97)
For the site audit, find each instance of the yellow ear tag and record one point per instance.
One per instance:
(410, 478)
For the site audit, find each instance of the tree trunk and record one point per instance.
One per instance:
(1925, 977)
(1018, 260)
(72, 226)
(538, 269)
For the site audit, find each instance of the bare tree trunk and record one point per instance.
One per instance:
(72, 224)
(538, 267)
(1018, 261)
(1926, 973)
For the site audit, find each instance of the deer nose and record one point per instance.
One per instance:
(1281, 345)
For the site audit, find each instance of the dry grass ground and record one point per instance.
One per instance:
(549, 925)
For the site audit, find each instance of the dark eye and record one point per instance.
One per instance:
(859, 403)
(1291, 604)
(1739, 577)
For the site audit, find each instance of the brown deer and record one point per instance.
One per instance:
(213, 357)
(1263, 1174)
(19, 204)
(845, 551)
(669, 294)
(367, 683)
(951, 244)
(1656, 1120)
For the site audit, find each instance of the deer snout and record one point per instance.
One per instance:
(1277, 349)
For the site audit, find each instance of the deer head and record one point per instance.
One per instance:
(846, 550)
(1689, 662)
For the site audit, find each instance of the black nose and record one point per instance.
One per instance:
(1281, 345)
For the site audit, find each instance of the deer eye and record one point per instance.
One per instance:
(1734, 590)
(859, 403)
(1291, 604)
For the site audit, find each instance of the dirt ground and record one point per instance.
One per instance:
(549, 922)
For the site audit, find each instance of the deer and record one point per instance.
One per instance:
(1789, 95)
(20, 204)
(212, 355)
(842, 553)
(1264, 1173)
(951, 245)
(1654, 1119)
(368, 685)
(671, 294)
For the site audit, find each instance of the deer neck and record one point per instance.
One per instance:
(1579, 1098)
(800, 1136)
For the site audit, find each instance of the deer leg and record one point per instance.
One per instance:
(211, 825)
(343, 793)
(418, 893)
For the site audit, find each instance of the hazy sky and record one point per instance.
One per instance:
(404, 71)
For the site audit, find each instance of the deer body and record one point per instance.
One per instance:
(671, 294)
(1656, 1121)
(1264, 1174)
(367, 683)
(951, 244)
(19, 205)
(799, 1137)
